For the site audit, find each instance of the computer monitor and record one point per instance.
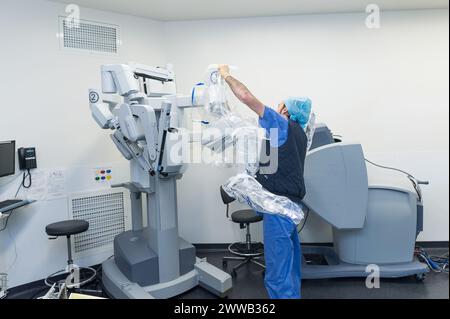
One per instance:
(7, 158)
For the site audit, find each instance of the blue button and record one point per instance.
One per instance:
(103, 178)
(108, 171)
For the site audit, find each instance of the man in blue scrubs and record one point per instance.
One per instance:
(282, 252)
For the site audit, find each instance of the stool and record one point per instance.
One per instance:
(247, 252)
(68, 228)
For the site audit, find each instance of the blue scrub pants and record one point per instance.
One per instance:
(282, 255)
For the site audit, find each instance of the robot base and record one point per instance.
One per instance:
(204, 274)
(335, 268)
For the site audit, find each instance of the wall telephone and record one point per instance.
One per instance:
(27, 158)
(27, 161)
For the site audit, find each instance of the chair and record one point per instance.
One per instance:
(75, 276)
(248, 252)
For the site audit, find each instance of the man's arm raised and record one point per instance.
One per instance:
(241, 91)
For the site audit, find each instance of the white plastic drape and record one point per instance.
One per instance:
(246, 189)
(228, 130)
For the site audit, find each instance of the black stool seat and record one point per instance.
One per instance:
(246, 216)
(67, 228)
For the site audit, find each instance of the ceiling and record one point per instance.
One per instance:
(174, 10)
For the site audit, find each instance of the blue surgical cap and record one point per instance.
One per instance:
(299, 109)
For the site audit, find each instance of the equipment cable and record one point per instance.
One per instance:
(304, 222)
(24, 177)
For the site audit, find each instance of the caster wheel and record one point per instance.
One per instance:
(420, 277)
(234, 274)
(224, 264)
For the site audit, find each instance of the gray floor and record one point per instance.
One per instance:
(249, 284)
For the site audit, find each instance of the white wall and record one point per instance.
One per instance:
(386, 88)
(44, 104)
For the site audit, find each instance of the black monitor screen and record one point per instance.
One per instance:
(7, 157)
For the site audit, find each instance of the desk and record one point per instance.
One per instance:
(6, 211)
(16, 205)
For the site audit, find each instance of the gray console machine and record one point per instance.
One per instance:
(372, 224)
(152, 261)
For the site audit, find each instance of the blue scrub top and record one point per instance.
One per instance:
(273, 120)
(282, 251)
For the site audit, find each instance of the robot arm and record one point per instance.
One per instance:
(118, 78)
(128, 147)
(131, 150)
(135, 121)
(147, 117)
(100, 112)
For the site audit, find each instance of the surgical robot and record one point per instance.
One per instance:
(373, 224)
(151, 261)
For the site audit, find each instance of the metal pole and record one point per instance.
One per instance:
(248, 238)
(69, 251)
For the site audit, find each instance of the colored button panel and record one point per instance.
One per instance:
(103, 174)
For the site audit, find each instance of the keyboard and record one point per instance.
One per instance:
(9, 202)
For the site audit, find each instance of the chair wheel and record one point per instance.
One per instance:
(234, 274)
(420, 277)
(224, 264)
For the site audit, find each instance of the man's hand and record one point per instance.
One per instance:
(224, 71)
(241, 91)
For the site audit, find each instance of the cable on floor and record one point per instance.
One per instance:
(438, 264)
